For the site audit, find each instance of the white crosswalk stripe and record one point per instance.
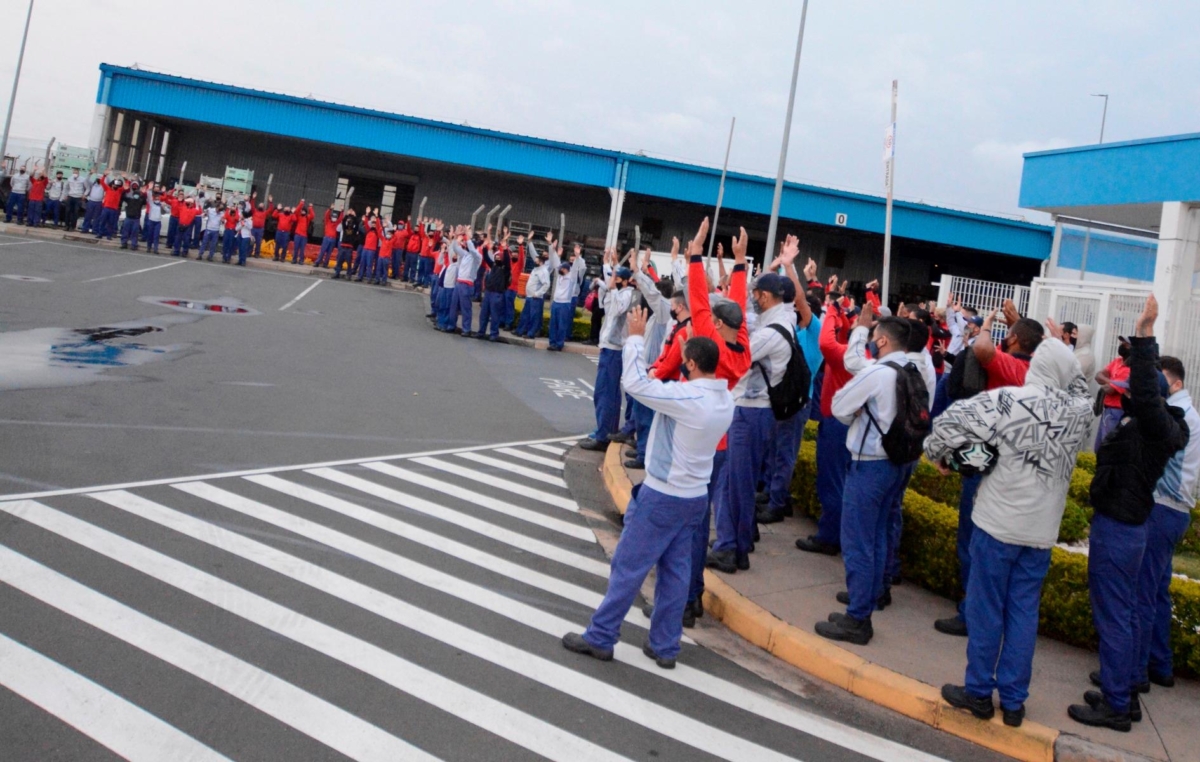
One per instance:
(495, 581)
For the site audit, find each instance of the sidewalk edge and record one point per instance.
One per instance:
(1031, 742)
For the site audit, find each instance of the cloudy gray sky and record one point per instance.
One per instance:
(980, 82)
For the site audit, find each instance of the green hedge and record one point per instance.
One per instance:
(928, 557)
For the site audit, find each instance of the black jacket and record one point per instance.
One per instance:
(350, 231)
(1132, 458)
(498, 278)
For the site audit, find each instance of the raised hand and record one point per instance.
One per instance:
(696, 247)
(791, 249)
(866, 318)
(1054, 328)
(1011, 316)
(739, 245)
(674, 247)
(635, 320)
(1145, 321)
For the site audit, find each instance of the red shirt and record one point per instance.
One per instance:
(873, 297)
(1117, 371)
(400, 239)
(187, 213)
(428, 246)
(37, 188)
(286, 221)
(231, 219)
(331, 225)
(833, 350)
(112, 195)
(413, 244)
(1005, 370)
(372, 240)
(385, 244)
(259, 218)
(302, 219)
(732, 362)
(666, 367)
(515, 268)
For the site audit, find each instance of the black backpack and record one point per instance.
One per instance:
(967, 376)
(905, 438)
(790, 395)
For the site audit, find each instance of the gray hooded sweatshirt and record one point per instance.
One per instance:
(1038, 430)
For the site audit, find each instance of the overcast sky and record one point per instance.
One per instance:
(980, 82)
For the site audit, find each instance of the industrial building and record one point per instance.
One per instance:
(152, 123)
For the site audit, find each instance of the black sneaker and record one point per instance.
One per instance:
(951, 626)
(636, 463)
(957, 697)
(755, 538)
(885, 600)
(847, 629)
(689, 618)
(1014, 717)
(811, 544)
(631, 453)
(1096, 698)
(1166, 681)
(743, 561)
(722, 561)
(1100, 716)
(1137, 688)
(767, 517)
(663, 663)
(761, 498)
(622, 438)
(573, 641)
(593, 445)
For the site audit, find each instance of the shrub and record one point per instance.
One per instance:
(1086, 462)
(928, 557)
(1191, 539)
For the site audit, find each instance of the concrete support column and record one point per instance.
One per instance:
(1178, 247)
(1055, 247)
(98, 140)
(618, 204)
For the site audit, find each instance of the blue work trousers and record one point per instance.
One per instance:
(1164, 530)
(1002, 617)
(445, 298)
(966, 528)
(209, 242)
(748, 435)
(366, 264)
(411, 263)
(461, 306)
(871, 487)
(183, 239)
(172, 230)
(716, 492)
(491, 313)
(243, 249)
(607, 395)
(328, 244)
(561, 314)
(833, 459)
(657, 535)
(896, 527)
(153, 234)
(345, 256)
(257, 235)
(106, 225)
(531, 317)
(299, 247)
(1115, 553)
(785, 448)
(510, 308)
(643, 417)
(425, 271)
(382, 265)
(228, 243)
(281, 244)
(16, 205)
(91, 215)
(35, 213)
(54, 211)
(129, 232)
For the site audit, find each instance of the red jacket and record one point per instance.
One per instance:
(432, 244)
(37, 188)
(112, 194)
(331, 225)
(286, 221)
(733, 362)
(303, 218)
(231, 219)
(666, 367)
(413, 246)
(372, 238)
(400, 238)
(834, 352)
(259, 218)
(187, 213)
(385, 244)
(515, 269)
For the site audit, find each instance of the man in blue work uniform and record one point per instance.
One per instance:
(469, 260)
(617, 296)
(690, 419)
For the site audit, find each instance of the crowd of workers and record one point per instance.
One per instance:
(720, 376)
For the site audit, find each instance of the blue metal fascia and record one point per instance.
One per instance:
(1148, 171)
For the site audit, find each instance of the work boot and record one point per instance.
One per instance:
(622, 438)
(957, 697)
(884, 601)
(1137, 687)
(765, 516)
(573, 641)
(951, 626)
(636, 463)
(661, 662)
(848, 629)
(593, 445)
(631, 453)
(698, 606)
(1166, 681)
(1096, 698)
(723, 561)
(1014, 717)
(742, 561)
(762, 498)
(811, 544)
(1101, 716)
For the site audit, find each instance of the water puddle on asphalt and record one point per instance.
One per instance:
(44, 358)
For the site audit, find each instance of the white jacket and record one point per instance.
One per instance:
(689, 420)
(768, 350)
(1038, 430)
(1177, 487)
(616, 304)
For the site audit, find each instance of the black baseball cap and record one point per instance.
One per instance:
(771, 283)
(729, 313)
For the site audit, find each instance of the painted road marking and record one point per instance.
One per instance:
(134, 272)
(18, 243)
(548, 448)
(512, 468)
(106, 718)
(25, 278)
(303, 294)
(495, 482)
(566, 388)
(512, 452)
(585, 383)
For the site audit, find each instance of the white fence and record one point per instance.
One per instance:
(1111, 309)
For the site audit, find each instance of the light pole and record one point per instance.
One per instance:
(12, 99)
(783, 149)
(1087, 235)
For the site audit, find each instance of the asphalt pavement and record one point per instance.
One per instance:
(321, 530)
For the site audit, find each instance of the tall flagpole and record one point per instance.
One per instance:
(720, 194)
(12, 99)
(889, 153)
(783, 149)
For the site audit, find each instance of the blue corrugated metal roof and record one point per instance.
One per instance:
(244, 108)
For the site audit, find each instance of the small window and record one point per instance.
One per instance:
(835, 257)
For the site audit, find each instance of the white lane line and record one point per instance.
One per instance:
(394, 562)
(434, 689)
(494, 481)
(513, 468)
(483, 528)
(529, 457)
(585, 383)
(253, 471)
(315, 717)
(635, 708)
(568, 528)
(19, 243)
(731, 694)
(109, 720)
(303, 294)
(549, 448)
(135, 272)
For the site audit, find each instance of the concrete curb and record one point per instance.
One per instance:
(813, 654)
